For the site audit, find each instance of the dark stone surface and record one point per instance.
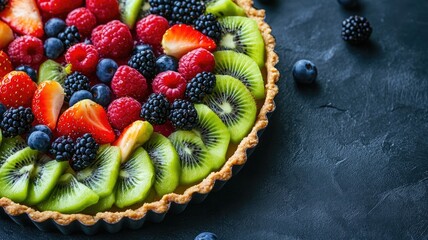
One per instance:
(344, 159)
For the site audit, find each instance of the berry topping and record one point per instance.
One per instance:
(2, 111)
(23, 17)
(104, 10)
(70, 36)
(161, 7)
(42, 128)
(54, 26)
(305, 72)
(196, 61)
(145, 63)
(6, 34)
(62, 148)
(5, 64)
(47, 103)
(128, 82)
(106, 69)
(208, 25)
(140, 48)
(83, 58)
(156, 109)
(200, 86)
(165, 63)
(151, 29)
(356, 30)
(3, 4)
(26, 50)
(79, 96)
(101, 94)
(83, 19)
(17, 89)
(39, 141)
(85, 152)
(59, 6)
(54, 48)
(74, 83)
(183, 115)
(123, 111)
(113, 40)
(28, 70)
(186, 11)
(16, 121)
(164, 129)
(171, 84)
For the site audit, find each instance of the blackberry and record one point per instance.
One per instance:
(200, 86)
(85, 152)
(183, 114)
(186, 11)
(69, 36)
(16, 121)
(161, 7)
(145, 62)
(208, 25)
(62, 148)
(356, 29)
(75, 82)
(156, 109)
(3, 4)
(2, 110)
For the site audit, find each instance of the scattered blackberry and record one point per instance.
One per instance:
(85, 152)
(3, 4)
(145, 63)
(69, 36)
(208, 25)
(161, 7)
(16, 121)
(356, 29)
(62, 148)
(155, 110)
(183, 115)
(200, 86)
(74, 83)
(186, 11)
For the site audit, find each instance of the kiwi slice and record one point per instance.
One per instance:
(69, 196)
(9, 147)
(51, 70)
(222, 8)
(102, 174)
(235, 106)
(213, 133)
(129, 10)
(136, 178)
(242, 34)
(144, 10)
(166, 163)
(195, 159)
(102, 205)
(1, 136)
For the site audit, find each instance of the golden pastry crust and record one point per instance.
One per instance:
(225, 173)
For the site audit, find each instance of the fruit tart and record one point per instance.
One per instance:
(116, 111)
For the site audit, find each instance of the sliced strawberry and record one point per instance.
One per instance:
(23, 17)
(181, 39)
(5, 64)
(6, 35)
(17, 89)
(86, 117)
(47, 103)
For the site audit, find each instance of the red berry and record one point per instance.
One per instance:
(151, 29)
(83, 58)
(123, 111)
(196, 61)
(128, 82)
(26, 50)
(83, 19)
(113, 40)
(59, 6)
(23, 17)
(171, 84)
(104, 10)
(5, 64)
(17, 89)
(164, 129)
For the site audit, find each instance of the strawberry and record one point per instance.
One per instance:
(6, 35)
(5, 65)
(17, 89)
(181, 39)
(23, 17)
(47, 103)
(83, 117)
(59, 6)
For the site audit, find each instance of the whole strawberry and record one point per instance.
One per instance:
(17, 89)
(104, 10)
(26, 50)
(128, 82)
(123, 111)
(83, 19)
(59, 6)
(5, 64)
(113, 40)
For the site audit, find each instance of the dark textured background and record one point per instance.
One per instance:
(345, 159)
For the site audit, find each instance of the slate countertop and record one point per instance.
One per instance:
(346, 158)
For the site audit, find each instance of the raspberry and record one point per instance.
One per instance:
(85, 152)
(171, 84)
(196, 61)
(17, 89)
(145, 63)
(164, 129)
(62, 148)
(200, 86)
(123, 111)
(208, 25)
(151, 29)
(16, 121)
(128, 82)
(75, 82)
(156, 109)
(356, 30)
(26, 50)
(59, 6)
(104, 10)
(83, 58)
(83, 19)
(113, 40)
(183, 115)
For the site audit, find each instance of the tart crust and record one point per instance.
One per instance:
(239, 157)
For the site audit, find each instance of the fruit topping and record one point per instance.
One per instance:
(222, 8)
(59, 6)
(85, 152)
(101, 94)
(70, 36)
(183, 114)
(106, 69)
(3, 4)
(129, 10)
(62, 148)
(356, 30)
(29, 71)
(16, 121)
(161, 7)
(39, 141)
(54, 48)
(186, 11)
(83, 19)
(151, 29)
(196, 61)
(128, 82)
(23, 17)
(75, 82)
(54, 26)
(83, 58)
(304, 71)
(123, 111)
(208, 25)
(47, 103)
(164, 129)
(79, 96)
(145, 63)
(156, 109)
(42, 128)
(104, 10)
(171, 84)
(5, 65)
(200, 86)
(26, 50)
(17, 89)
(166, 63)
(51, 70)
(113, 40)
(10, 146)
(6, 34)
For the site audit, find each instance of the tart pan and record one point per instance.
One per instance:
(171, 203)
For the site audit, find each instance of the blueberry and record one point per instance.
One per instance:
(106, 69)
(348, 3)
(42, 128)
(53, 48)
(165, 63)
(29, 71)
(206, 236)
(2, 110)
(39, 141)
(304, 71)
(141, 47)
(54, 26)
(79, 96)
(102, 94)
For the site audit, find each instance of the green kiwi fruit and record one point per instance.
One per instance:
(242, 34)
(9, 147)
(243, 68)
(235, 106)
(222, 8)
(166, 162)
(195, 159)
(69, 196)
(1, 136)
(102, 174)
(213, 133)
(102, 205)
(136, 177)
(129, 10)
(144, 10)
(51, 70)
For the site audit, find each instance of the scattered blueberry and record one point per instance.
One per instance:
(102, 94)
(348, 3)
(42, 128)
(304, 71)
(54, 26)
(206, 236)
(2, 110)
(141, 47)
(106, 69)
(53, 48)
(29, 71)
(39, 141)
(79, 96)
(165, 63)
